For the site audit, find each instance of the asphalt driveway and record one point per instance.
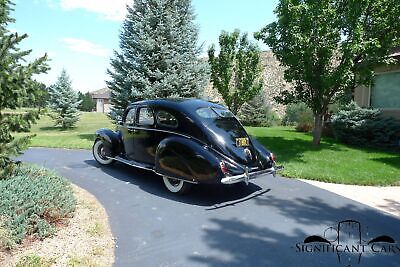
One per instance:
(258, 225)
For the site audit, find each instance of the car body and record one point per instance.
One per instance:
(186, 141)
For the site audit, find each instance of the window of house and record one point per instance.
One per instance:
(385, 92)
(166, 119)
(146, 117)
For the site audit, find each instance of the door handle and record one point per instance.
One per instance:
(132, 130)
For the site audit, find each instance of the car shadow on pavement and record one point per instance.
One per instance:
(209, 196)
(234, 242)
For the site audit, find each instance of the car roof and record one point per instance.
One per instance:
(187, 105)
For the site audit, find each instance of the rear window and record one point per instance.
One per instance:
(224, 113)
(166, 119)
(213, 113)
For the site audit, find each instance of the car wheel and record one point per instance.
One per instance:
(99, 153)
(176, 186)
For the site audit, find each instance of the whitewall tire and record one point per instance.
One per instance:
(99, 153)
(176, 186)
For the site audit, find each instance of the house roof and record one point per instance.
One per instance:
(103, 93)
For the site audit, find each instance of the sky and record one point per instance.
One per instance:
(81, 35)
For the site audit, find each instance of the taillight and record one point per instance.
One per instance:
(273, 157)
(223, 167)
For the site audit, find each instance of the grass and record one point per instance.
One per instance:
(96, 230)
(34, 260)
(82, 136)
(331, 161)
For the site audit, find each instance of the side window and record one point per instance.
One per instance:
(146, 117)
(166, 119)
(130, 117)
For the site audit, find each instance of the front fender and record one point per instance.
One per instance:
(110, 139)
(183, 158)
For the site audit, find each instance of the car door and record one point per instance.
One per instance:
(128, 132)
(145, 140)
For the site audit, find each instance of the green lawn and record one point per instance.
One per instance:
(331, 162)
(79, 137)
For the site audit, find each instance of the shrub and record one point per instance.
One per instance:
(305, 122)
(365, 127)
(299, 115)
(32, 201)
(257, 112)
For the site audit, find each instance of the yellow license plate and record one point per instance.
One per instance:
(242, 141)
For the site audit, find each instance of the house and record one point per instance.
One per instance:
(102, 99)
(384, 92)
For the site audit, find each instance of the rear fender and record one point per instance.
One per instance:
(183, 158)
(263, 154)
(112, 140)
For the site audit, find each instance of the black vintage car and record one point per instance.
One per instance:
(186, 141)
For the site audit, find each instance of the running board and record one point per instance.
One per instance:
(134, 163)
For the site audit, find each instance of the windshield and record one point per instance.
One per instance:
(213, 113)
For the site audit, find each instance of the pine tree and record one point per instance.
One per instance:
(258, 112)
(64, 102)
(159, 54)
(16, 85)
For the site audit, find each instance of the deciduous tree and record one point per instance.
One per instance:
(329, 46)
(236, 72)
(87, 103)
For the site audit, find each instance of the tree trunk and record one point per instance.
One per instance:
(317, 129)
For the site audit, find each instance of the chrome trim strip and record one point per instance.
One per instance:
(160, 130)
(191, 182)
(131, 163)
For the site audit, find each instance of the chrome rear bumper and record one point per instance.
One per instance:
(247, 176)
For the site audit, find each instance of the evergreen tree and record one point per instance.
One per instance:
(258, 112)
(41, 97)
(236, 72)
(158, 54)
(64, 102)
(87, 103)
(16, 85)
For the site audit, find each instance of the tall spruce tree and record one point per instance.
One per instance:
(158, 54)
(16, 85)
(64, 102)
